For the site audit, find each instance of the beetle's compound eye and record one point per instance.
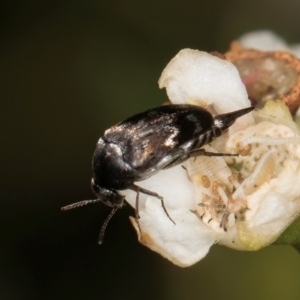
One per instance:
(109, 197)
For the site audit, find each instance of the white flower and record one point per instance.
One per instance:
(266, 40)
(254, 197)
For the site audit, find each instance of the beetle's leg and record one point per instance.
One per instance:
(185, 156)
(194, 153)
(224, 220)
(137, 202)
(178, 160)
(79, 204)
(199, 152)
(150, 193)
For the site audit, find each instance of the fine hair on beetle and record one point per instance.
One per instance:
(146, 143)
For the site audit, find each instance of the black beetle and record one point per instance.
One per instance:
(142, 145)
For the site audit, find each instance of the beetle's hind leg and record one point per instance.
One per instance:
(199, 152)
(138, 190)
(194, 153)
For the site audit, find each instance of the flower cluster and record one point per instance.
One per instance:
(242, 202)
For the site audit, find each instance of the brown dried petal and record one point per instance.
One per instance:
(268, 75)
(217, 54)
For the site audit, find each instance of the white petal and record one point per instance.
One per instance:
(264, 40)
(172, 184)
(198, 76)
(295, 49)
(273, 208)
(184, 243)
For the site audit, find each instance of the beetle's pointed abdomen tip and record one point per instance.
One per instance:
(224, 121)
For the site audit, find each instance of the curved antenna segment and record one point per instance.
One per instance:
(100, 241)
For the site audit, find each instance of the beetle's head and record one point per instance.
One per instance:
(108, 196)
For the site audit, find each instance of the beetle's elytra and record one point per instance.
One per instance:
(144, 144)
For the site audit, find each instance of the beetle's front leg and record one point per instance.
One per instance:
(138, 189)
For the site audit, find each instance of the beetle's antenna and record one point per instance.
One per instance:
(79, 204)
(100, 241)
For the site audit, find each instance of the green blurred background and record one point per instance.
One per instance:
(69, 70)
